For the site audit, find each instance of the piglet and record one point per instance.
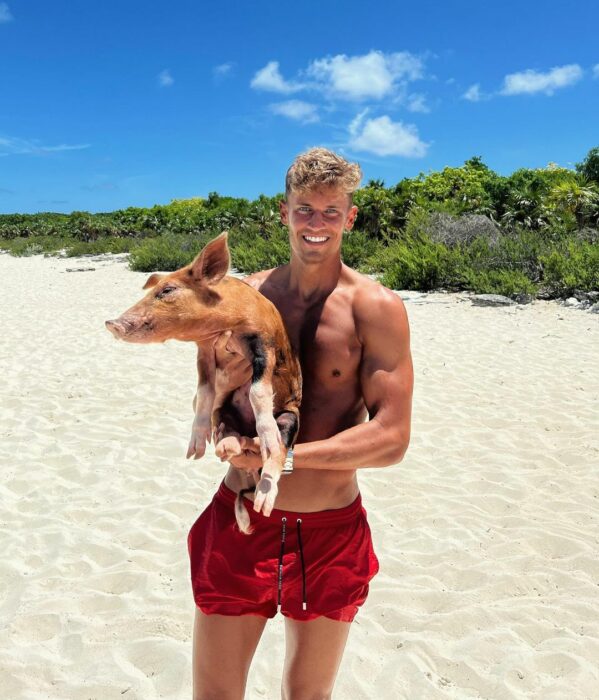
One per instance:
(200, 303)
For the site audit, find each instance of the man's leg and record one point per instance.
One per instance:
(223, 647)
(312, 656)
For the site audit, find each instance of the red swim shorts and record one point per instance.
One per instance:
(309, 564)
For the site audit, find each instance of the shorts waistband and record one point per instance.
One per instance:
(319, 519)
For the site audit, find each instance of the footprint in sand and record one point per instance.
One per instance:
(35, 628)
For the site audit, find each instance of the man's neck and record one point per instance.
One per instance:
(313, 282)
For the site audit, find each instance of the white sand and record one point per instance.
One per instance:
(487, 533)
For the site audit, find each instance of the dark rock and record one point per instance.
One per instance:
(581, 295)
(523, 298)
(544, 293)
(80, 269)
(491, 300)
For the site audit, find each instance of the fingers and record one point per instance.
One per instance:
(227, 448)
(220, 344)
(250, 445)
(233, 345)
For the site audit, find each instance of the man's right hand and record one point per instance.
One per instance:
(233, 369)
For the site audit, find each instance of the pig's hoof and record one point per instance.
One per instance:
(266, 493)
(197, 448)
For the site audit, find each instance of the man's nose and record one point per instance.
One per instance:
(317, 219)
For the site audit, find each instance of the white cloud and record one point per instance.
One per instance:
(61, 147)
(371, 76)
(531, 81)
(16, 146)
(165, 79)
(296, 109)
(384, 137)
(417, 103)
(596, 70)
(472, 94)
(269, 78)
(5, 13)
(222, 70)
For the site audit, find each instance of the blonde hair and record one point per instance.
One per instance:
(320, 167)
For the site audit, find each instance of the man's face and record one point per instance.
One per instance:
(316, 220)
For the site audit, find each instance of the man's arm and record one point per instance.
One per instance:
(386, 378)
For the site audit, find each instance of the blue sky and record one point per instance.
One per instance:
(115, 104)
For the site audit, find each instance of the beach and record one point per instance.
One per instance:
(487, 532)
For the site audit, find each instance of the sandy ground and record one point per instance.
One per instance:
(487, 532)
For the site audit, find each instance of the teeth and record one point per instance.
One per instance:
(315, 239)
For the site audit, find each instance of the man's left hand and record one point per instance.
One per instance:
(250, 458)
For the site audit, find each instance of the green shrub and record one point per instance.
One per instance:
(506, 282)
(34, 245)
(252, 249)
(574, 267)
(9, 231)
(168, 253)
(416, 263)
(517, 250)
(101, 245)
(358, 250)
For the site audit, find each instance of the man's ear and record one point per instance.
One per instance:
(351, 218)
(212, 264)
(284, 212)
(153, 280)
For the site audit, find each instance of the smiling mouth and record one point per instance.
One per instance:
(316, 239)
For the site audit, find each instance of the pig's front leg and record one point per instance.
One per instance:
(203, 403)
(271, 446)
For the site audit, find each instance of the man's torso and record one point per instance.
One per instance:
(323, 333)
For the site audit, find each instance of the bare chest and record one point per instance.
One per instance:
(324, 337)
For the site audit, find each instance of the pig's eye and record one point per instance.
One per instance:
(166, 290)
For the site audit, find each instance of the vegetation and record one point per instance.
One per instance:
(535, 231)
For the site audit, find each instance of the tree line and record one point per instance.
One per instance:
(533, 232)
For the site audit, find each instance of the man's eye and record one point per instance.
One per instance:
(304, 210)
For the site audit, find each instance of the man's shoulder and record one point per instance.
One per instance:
(374, 305)
(371, 297)
(257, 279)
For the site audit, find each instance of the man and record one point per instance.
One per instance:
(313, 556)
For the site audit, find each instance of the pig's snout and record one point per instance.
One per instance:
(117, 327)
(129, 329)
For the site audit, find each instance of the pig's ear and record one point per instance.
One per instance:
(212, 264)
(153, 280)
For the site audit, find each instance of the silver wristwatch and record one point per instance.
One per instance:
(288, 464)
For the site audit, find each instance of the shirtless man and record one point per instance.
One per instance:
(352, 338)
